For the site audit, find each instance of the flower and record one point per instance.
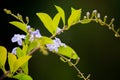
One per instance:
(14, 50)
(59, 30)
(56, 44)
(52, 47)
(95, 11)
(18, 38)
(29, 28)
(35, 34)
(98, 15)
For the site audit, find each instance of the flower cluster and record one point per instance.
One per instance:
(18, 38)
(33, 34)
(36, 34)
(56, 44)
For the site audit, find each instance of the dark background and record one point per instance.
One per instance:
(97, 47)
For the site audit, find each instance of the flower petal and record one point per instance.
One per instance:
(14, 50)
(22, 36)
(19, 42)
(14, 38)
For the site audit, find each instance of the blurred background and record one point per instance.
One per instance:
(97, 47)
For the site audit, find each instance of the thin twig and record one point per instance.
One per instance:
(72, 64)
(34, 50)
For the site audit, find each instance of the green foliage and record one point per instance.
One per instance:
(15, 63)
(3, 57)
(19, 25)
(20, 61)
(24, 49)
(68, 51)
(56, 21)
(47, 21)
(74, 17)
(22, 77)
(50, 24)
(61, 12)
(32, 45)
(24, 67)
(45, 40)
(11, 60)
(20, 53)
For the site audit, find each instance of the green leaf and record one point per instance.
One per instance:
(20, 61)
(19, 25)
(72, 9)
(24, 49)
(19, 52)
(45, 40)
(32, 45)
(11, 60)
(85, 21)
(68, 52)
(3, 56)
(55, 22)
(27, 39)
(61, 12)
(25, 68)
(22, 77)
(47, 21)
(74, 17)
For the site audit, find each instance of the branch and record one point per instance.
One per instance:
(34, 50)
(80, 74)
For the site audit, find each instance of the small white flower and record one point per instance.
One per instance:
(98, 15)
(105, 16)
(88, 14)
(18, 38)
(95, 11)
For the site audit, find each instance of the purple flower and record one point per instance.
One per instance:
(35, 34)
(14, 50)
(52, 47)
(18, 38)
(56, 44)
